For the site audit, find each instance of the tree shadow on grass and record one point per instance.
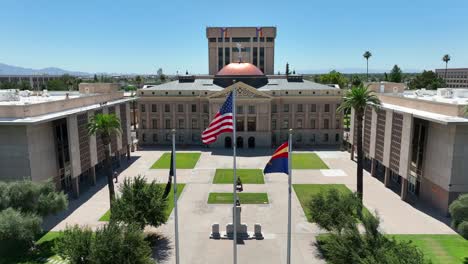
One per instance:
(160, 246)
(20, 254)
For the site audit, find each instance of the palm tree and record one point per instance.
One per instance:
(367, 55)
(358, 98)
(106, 125)
(446, 59)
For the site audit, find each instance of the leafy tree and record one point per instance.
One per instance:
(18, 230)
(138, 81)
(446, 58)
(287, 69)
(459, 211)
(116, 243)
(75, 244)
(104, 126)
(366, 56)
(334, 77)
(358, 98)
(386, 77)
(141, 203)
(95, 79)
(22, 206)
(368, 247)
(333, 211)
(112, 243)
(428, 80)
(356, 80)
(396, 74)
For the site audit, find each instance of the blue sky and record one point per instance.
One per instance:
(141, 36)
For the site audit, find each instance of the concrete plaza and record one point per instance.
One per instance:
(196, 216)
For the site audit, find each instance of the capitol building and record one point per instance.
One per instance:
(267, 106)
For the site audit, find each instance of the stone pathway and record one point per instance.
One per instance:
(196, 216)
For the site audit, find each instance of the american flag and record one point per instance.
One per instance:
(222, 123)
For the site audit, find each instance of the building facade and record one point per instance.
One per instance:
(267, 107)
(44, 135)
(257, 47)
(455, 78)
(415, 143)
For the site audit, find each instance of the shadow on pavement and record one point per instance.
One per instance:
(161, 247)
(86, 192)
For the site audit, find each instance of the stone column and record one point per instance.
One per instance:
(372, 170)
(387, 177)
(76, 186)
(92, 174)
(404, 188)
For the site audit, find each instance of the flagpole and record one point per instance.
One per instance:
(176, 218)
(288, 261)
(234, 211)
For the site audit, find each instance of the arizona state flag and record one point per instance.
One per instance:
(279, 160)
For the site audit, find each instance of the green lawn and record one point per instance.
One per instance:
(245, 198)
(248, 176)
(307, 161)
(440, 249)
(304, 193)
(183, 161)
(170, 203)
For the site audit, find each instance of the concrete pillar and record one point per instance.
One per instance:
(92, 175)
(404, 188)
(128, 152)
(76, 186)
(387, 177)
(372, 169)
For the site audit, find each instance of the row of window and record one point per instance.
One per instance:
(236, 40)
(196, 137)
(167, 108)
(299, 124)
(168, 124)
(300, 108)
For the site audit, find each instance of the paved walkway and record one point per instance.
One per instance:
(196, 216)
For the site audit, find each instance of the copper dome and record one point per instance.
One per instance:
(240, 68)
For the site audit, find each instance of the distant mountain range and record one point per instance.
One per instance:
(6, 69)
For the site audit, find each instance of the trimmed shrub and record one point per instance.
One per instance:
(140, 203)
(18, 230)
(463, 229)
(75, 244)
(332, 210)
(459, 210)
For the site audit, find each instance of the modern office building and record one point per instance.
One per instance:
(456, 77)
(267, 107)
(36, 82)
(257, 46)
(416, 144)
(43, 135)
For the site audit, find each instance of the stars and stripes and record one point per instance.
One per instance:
(222, 122)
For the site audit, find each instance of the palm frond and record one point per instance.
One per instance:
(105, 124)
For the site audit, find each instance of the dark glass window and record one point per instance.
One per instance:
(270, 39)
(240, 124)
(167, 124)
(299, 108)
(167, 108)
(313, 108)
(326, 123)
(143, 109)
(155, 137)
(327, 108)
(180, 108)
(325, 137)
(255, 56)
(273, 124)
(194, 108)
(273, 108)
(251, 124)
(227, 56)
(205, 108)
(240, 39)
(337, 137)
(220, 58)
(155, 123)
(312, 124)
(212, 39)
(154, 108)
(227, 39)
(285, 108)
(262, 59)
